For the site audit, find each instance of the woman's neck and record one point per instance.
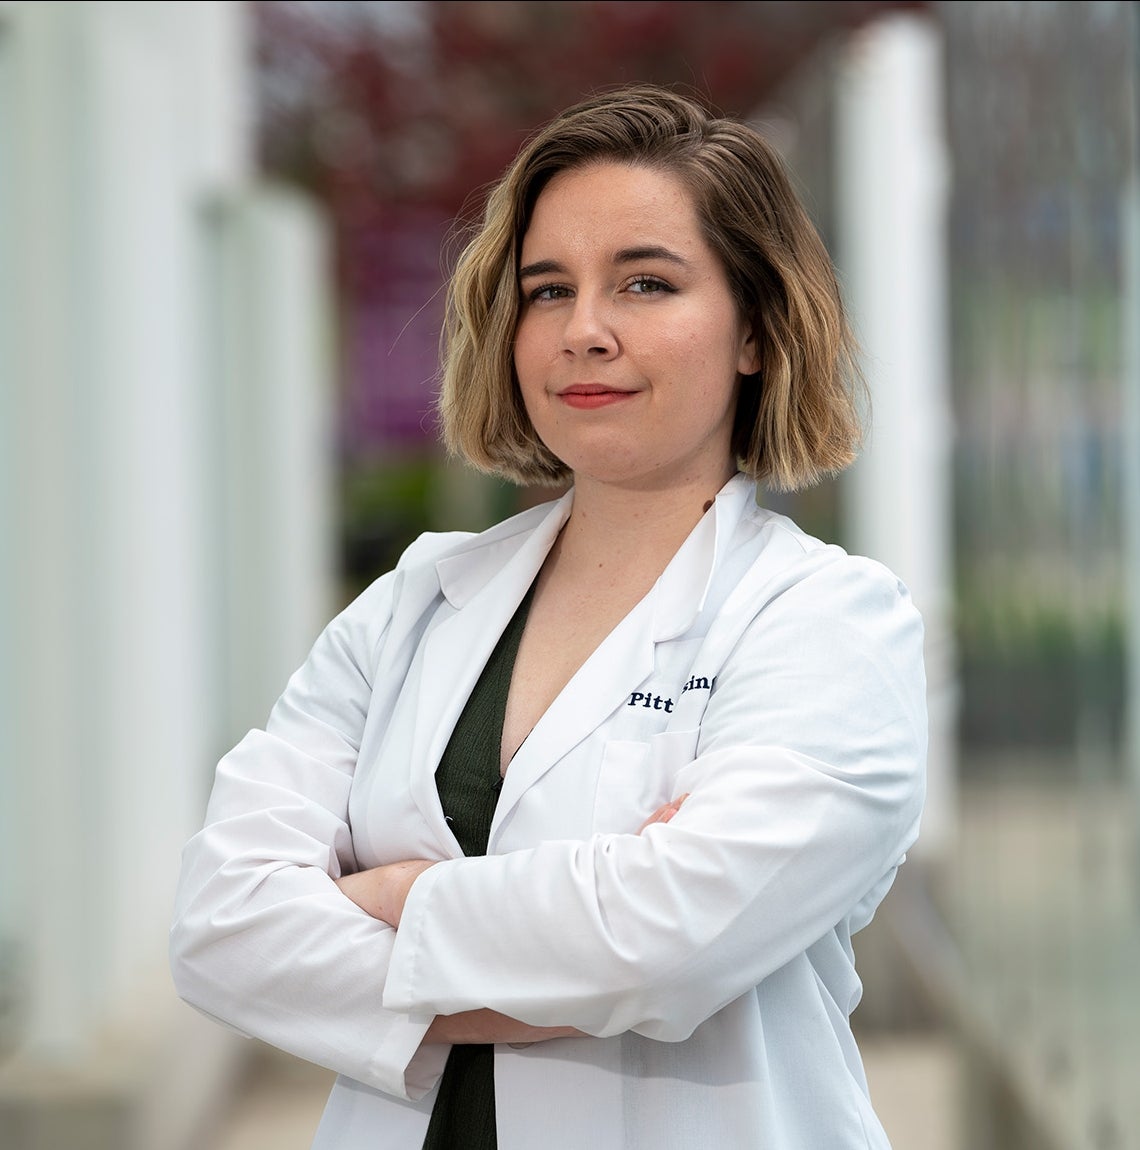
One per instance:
(633, 527)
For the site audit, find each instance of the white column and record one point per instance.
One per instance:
(39, 466)
(1130, 433)
(49, 606)
(891, 195)
(12, 899)
(271, 322)
(145, 663)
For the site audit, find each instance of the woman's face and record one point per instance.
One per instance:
(629, 344)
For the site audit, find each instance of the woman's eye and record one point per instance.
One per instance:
(548, 292)
(648, 285)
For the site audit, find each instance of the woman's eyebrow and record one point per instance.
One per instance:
(623, 256)
(541, 268)
(649, 252)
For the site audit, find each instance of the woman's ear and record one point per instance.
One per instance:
(749, 361)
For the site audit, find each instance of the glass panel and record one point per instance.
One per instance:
(10, 836)
(1044, 898)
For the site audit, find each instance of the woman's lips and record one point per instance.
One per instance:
(591, 395)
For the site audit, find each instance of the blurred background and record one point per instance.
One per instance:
(224, 229)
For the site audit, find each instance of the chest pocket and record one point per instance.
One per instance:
(637, 777)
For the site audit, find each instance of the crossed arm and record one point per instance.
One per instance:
(382, 892)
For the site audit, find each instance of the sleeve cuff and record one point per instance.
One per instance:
(399, 992)
(404, 1066)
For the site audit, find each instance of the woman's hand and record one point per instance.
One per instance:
(663, 814)
(383, 890)
(491, 1026)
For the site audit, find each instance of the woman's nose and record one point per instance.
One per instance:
(589, 327)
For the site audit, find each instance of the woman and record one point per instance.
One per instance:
(586, 808)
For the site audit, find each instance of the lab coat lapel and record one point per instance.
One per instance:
(483, 584)
(602, 684)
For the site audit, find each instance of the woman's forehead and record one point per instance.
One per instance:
(617, 206)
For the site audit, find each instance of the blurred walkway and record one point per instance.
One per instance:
(914, 1084)
(1044, 905)
(277, 1108)
(915, 1089)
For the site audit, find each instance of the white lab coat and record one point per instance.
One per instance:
(776, 680)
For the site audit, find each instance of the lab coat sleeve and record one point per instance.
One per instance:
(804, 794)
(262, 939)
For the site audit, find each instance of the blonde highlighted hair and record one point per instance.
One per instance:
(797, 418)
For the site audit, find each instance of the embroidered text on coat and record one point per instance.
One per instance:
(657, 703)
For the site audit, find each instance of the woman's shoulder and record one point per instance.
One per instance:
(788, 562)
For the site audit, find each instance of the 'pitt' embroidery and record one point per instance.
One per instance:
(650, 702)
(657, 703)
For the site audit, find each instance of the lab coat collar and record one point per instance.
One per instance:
(466, 569)
(680, 593)
(684, 585)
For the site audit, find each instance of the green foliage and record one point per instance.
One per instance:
(1035, 671)
(384, 506)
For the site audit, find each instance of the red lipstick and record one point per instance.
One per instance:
(586, 396)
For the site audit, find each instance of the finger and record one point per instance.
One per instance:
(665, 813)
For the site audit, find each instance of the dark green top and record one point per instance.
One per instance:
(468, 781)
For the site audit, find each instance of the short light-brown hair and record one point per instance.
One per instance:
(797, 419)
